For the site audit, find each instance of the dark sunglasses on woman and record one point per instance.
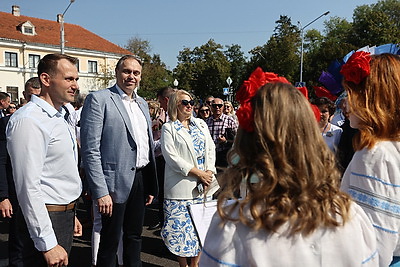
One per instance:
(187, 102)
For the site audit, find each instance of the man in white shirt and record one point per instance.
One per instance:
(43, 154)
(118, 156)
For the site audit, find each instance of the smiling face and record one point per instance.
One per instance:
(184, 107)
(128, 75)
(60, 86)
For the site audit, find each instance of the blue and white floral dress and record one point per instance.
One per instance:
(178, 231)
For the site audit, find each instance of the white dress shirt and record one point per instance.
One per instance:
(43, 153)
(139, 126)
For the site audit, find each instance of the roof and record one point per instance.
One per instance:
(48, 32)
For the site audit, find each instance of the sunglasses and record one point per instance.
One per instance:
(187, 102)
(209, 102)
(204, 110)
(217, 105)
(10, 107)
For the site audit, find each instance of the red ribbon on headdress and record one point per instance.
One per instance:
(357, 67)
(248, 90)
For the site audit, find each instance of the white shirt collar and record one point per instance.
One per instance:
(125, 95)
(49, 109)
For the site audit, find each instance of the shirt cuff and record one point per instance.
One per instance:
(45, 243)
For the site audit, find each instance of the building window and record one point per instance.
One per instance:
(11, 59)
(28, 30)
(92, 66)
(77, 64)
(33, 61)
(13, 92)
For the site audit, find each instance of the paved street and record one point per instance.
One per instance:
(154, 253)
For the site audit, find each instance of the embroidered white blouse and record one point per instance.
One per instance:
(373, 180)
(235, 244)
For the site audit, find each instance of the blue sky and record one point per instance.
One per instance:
(173, 25)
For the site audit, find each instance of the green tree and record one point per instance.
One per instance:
(203, 70)
(280, 53)
(237, 60)
(322, 50)
(154, 73)
(139, 47)
(376, 24)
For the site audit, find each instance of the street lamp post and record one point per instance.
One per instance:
(175, 83)
(60, 18)
(302, 43)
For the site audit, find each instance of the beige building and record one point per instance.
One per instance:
(25, 40)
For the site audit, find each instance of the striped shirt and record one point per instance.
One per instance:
(219, 127)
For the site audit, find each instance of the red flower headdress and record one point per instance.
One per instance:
(248, 90)
(357, 67)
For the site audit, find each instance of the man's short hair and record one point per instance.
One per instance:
(33, 82)
(3, 95)
(122, 59)
(80, 99)
(48, 64)
(166, 92)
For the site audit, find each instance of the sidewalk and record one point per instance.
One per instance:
(154, 252)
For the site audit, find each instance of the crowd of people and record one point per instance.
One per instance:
(294, 187)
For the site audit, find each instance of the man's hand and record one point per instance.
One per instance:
(77, 227)
(221, 139)
(105, 205)
(149, 199)
(6, 208)
(56, 257)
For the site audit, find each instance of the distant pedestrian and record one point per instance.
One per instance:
(223, 130)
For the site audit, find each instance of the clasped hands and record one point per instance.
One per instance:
(204, 176)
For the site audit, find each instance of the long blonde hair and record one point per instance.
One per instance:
(375, 101)
(298, 181)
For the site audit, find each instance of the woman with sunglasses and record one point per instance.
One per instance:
(189, 154)
(11, 109)
(204, 112)
(229, 110)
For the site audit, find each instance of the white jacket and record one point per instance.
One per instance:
(178, 151)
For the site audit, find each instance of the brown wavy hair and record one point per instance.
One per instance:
(298, 181)
(376, 102)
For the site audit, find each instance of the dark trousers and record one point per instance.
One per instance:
(129, 217)
(221, 160)
(26, 254)
(160, 163)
